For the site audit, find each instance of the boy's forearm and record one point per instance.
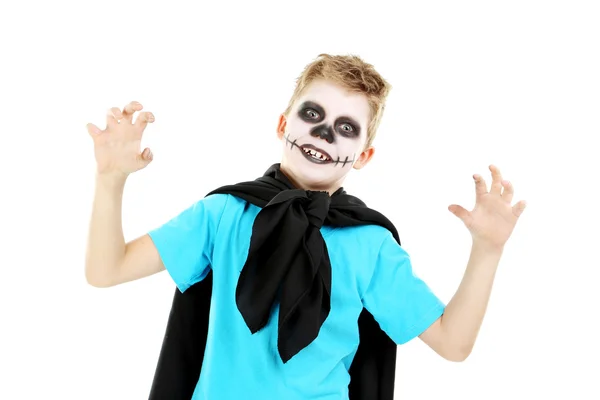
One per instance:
(106, 243)
(464, 313)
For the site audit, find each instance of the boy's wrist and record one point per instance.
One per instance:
(111, 181)
(482, 247)
(484, 255)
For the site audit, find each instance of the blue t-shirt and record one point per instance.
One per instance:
(369, 269)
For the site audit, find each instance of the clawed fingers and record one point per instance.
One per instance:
(113, 116)
(130, 109)
(501, 187)
(480, 185)
(508, 192)
(116, 117)
(143, 119)
(496, 187)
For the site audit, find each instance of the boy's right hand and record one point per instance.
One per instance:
(117, 148)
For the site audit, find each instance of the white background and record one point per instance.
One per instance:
(514, 83)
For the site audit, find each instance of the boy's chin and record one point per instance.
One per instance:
(319, 176)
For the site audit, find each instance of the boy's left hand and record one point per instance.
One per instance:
(493, 218)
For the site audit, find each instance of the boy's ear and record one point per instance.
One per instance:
(364, 158)
(281, 126)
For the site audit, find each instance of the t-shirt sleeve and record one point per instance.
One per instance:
(402, 304)
(186, 242)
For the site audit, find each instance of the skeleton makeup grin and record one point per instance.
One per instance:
(324, 134)
(345, 128)
(317, 155)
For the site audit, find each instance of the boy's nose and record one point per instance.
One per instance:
(323, 132)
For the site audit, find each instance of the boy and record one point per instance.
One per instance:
(296, 265)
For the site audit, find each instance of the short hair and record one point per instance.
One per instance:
(353, 74)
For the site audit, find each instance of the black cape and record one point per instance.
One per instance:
(372, 372)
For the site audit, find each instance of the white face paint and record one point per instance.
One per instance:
(324, 136)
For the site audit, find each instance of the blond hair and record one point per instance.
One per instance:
(353, 74)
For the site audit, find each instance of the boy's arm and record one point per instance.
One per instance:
(405, 307)
(453, 335)
(109, 260)
(491, 224)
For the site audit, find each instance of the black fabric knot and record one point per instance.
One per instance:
(317, 208)
(288, 258)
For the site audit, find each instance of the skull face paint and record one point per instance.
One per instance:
(325, 133)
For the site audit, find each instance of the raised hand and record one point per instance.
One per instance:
(117, 148)
(493, 219)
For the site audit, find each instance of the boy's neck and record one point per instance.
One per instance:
(330, 189)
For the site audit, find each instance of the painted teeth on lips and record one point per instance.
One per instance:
(316, 154)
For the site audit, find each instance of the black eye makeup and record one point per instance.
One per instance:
(347, 127)
(311, 112)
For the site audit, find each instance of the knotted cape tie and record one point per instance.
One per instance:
(288, 257)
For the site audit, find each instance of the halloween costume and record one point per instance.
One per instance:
(271, 283)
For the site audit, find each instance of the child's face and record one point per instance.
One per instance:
(324, 136)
